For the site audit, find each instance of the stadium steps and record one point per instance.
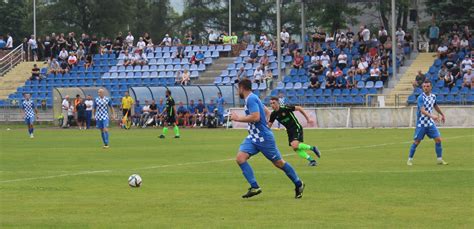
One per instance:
(16, 77)
(404, 86)
(214, 70)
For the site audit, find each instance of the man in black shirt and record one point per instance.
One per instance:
(35, 73)
(285, 116)
(170, 113)
(81, 114)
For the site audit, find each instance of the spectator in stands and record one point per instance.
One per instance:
(189, 38)
(127, 58)
(362, 66)
(264, 61)
(80, 53)
(141, 43)
(35, 73)
(268, 78)
(384, 73)
(350, 80)
(94, 46)
(246, 38)
(63, 55)
(129, 40)
(177, 78)
(149, 46)
(176, 41)
(185, 78)
(419, 79)
(455, 43)
(139, 58)
(314, 82)
(9, 43)
(53, 66)
(330, 80)
(400, 35)
(374, 73)
(117, 48)
(199, 58)
(383, 34)
(325, 60)
(72, 60)
(468, 79)
(456, 72)
(464, 44)
(342, 60)
(166, 41)
(89, 62)
(442, 51)
(147, 38)
(64, 67)
(292, 47)
(285, 37)
(40, 49)
(317, 68)
(449, 80)
(442, 72)
(226, 39)
(241, 73)
(47, 47)
(179, 52)
(81, 114)
(433, 36)
(33, 44)
(466, 64)
(213, 37)
(450, 62)
(298, 61)
(263, 37)
(182, 112)
(252, 56)
(341, 82)
(258, 75)
(145, 114)
(234, 39)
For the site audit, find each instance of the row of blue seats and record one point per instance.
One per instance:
(158, 68)
(323, 92)
(321, 78)
(194, 48)
(447, 91)
(331, 100)
(243, 60)
(168, 55)
(298, 85)
(169, 74)
(453, 99)
(250, 66)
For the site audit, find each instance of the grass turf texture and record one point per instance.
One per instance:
(63, 178)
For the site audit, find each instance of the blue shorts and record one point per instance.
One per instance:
(431, 131)
(269, 149)
(29, 120)
(101, 124)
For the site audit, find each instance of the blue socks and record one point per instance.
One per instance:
(248, 174)
(439, 150)
(412, 150)
(290, 172)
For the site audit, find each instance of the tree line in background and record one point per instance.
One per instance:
(108, 17)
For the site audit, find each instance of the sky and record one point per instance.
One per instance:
(178, 5)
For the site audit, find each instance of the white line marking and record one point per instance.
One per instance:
(224, 160)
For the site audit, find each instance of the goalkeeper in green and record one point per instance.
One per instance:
(285, 116)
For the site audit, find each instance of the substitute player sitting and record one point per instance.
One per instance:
(425, 123)
(285, 116)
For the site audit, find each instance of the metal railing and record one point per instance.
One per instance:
(11, 60)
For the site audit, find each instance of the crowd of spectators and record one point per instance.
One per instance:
(77, 111)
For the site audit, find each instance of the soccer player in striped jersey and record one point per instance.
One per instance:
(285, 116)
(101, 111)
(425, 123)
(29, 111)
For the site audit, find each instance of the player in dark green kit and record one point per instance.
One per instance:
(170, 113)
(285, 116)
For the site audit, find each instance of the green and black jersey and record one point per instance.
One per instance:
(170, 106)
(286, 117)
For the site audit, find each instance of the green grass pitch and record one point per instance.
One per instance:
(64, 179)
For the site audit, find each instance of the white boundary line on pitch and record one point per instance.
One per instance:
(215, 161)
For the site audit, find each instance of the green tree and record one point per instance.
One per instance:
(12, 22)
(448, 13)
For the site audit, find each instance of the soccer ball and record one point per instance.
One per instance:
(135, 181)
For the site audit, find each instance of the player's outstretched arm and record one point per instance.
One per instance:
(443, 118)
(253, 117)
(303, 112)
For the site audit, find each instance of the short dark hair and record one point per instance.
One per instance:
(428, 81)
(168, 92)
(274, 98)
(245, 84)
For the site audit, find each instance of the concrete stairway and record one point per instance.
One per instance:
(16, 77)
(404, 87)
(208, 76)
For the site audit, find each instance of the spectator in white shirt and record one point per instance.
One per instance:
(466, 64)
(167, 41)
(34, 47)
(374, 73)
(342, 60)
(258, 75)
(9, 44)
(63, 55)
(213, 37)
(65, 108)
(89, 105)
(362, 66)
(139, 58)
(468, 79)
(442, 51)
(145, 114)
(129, 39)
(400, 35)
(325, 59)
(127, 58)
(141, 43)
(185, 78)
(285, 36)
(365, 34)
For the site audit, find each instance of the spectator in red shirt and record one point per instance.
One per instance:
(298, 61)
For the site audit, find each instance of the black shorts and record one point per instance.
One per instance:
(171, 119)
(433, 41)
(81, 118)
(125, 112)
(296, 134)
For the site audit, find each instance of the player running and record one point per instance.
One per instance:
(425, 123)
(260, 139)
(170, 110)
(285, 116)
(101, 111)
(29, 112)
